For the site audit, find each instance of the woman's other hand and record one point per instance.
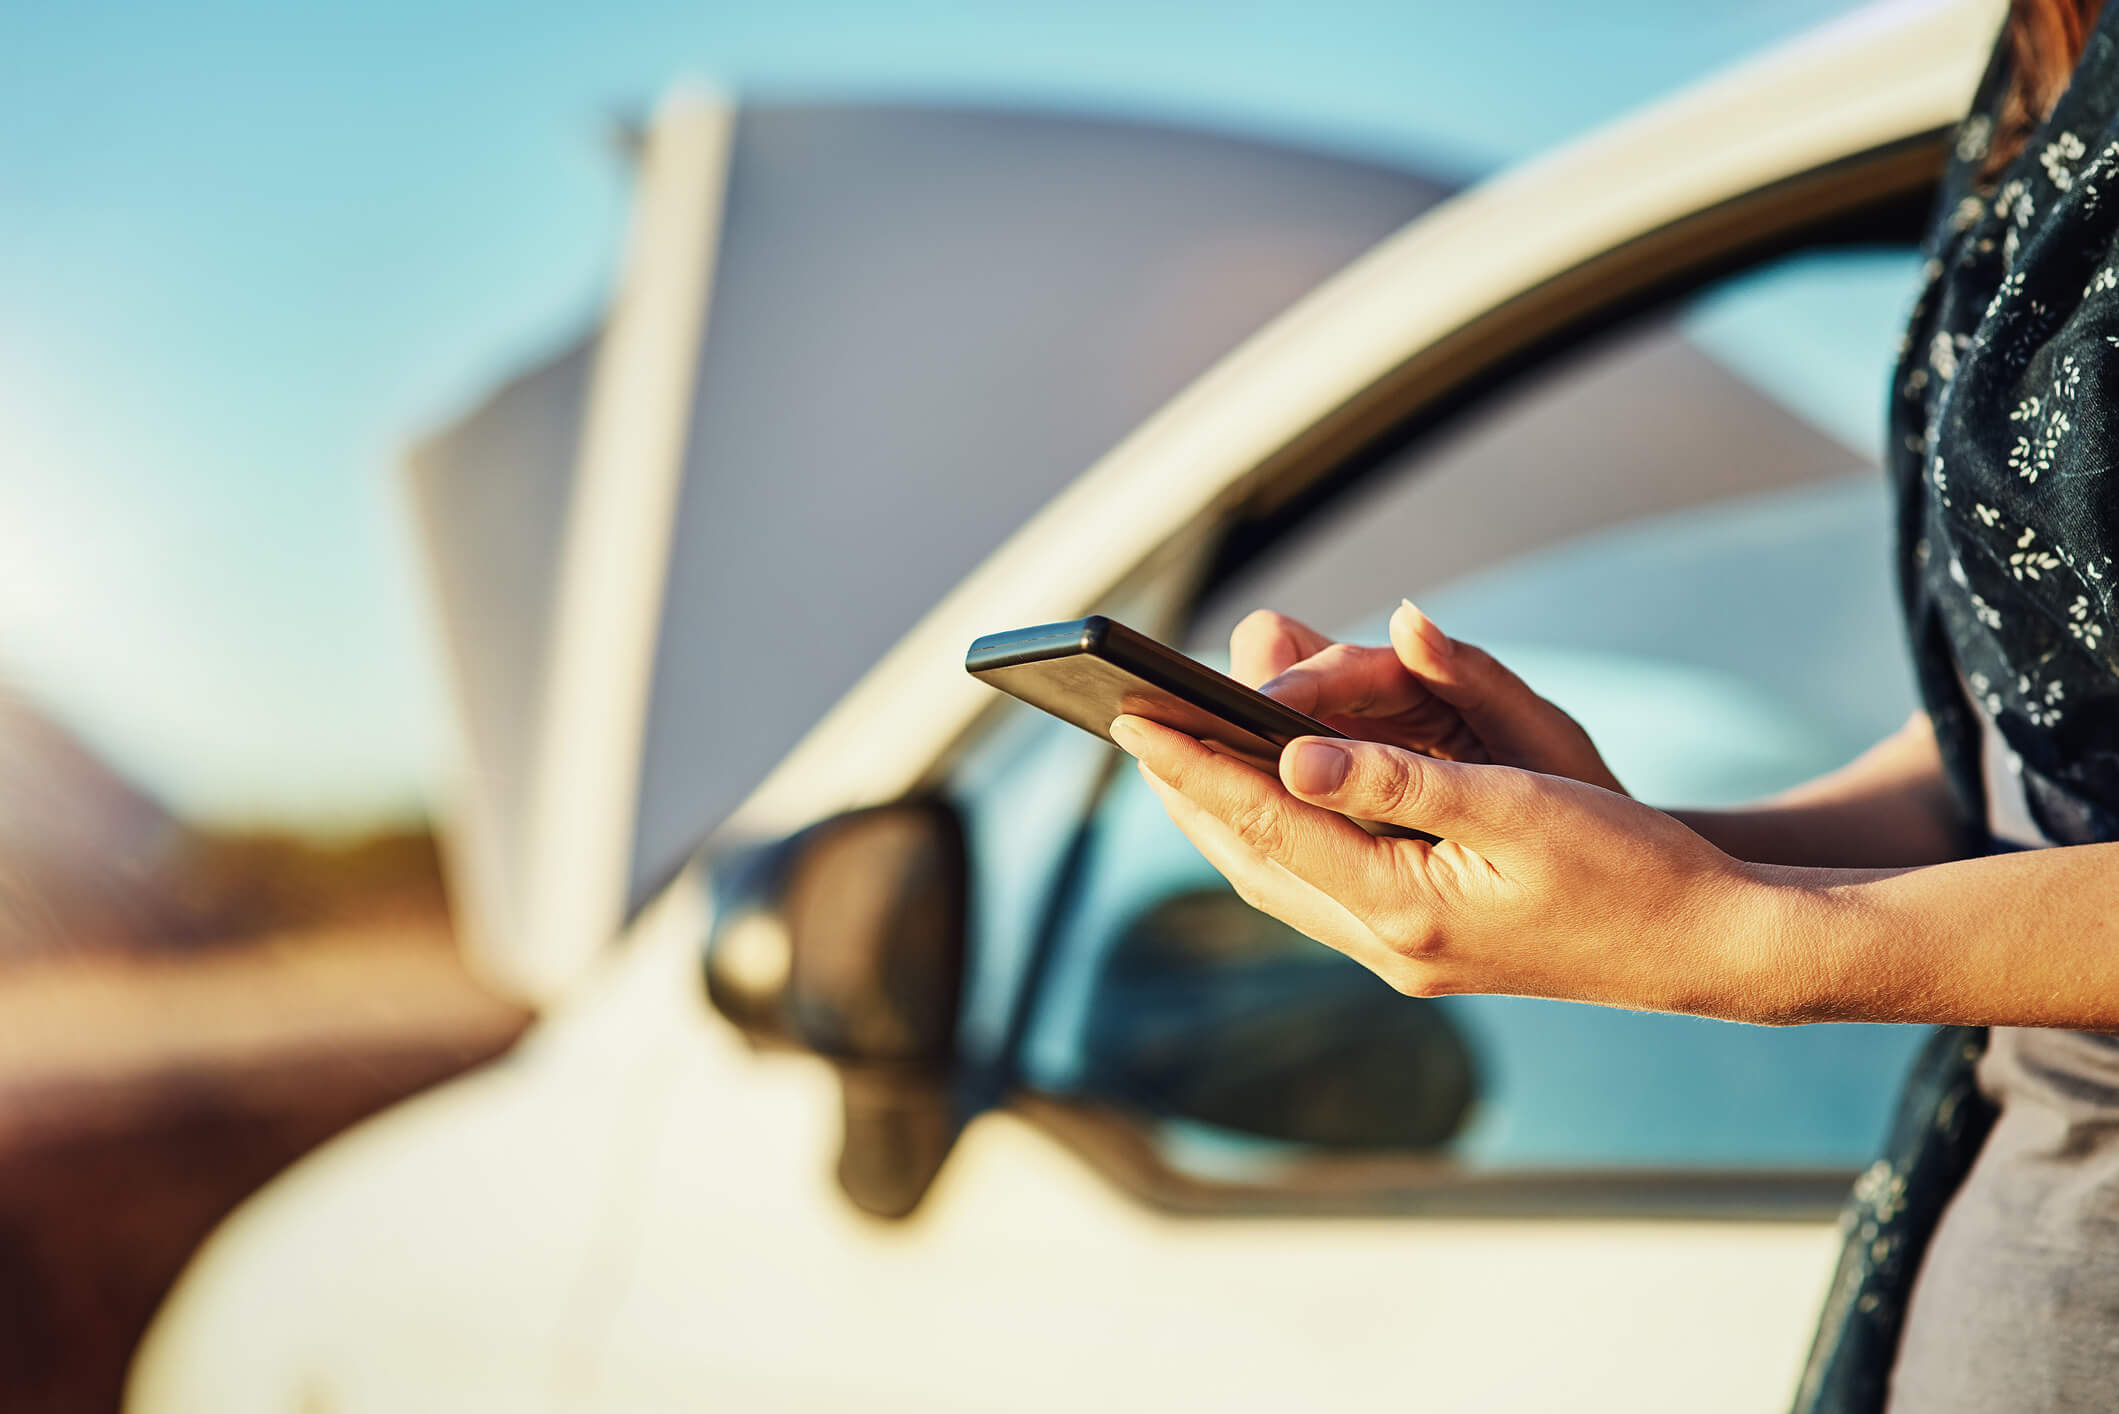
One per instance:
(1426, 692)
(1539, 886)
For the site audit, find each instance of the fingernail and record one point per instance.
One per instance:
(1436, 640)
(1127, 734)
(1294, 687)
(1316, 767)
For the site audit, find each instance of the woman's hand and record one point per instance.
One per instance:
(1540, 886)
(1426, 692)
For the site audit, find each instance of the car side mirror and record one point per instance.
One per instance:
(847, 940)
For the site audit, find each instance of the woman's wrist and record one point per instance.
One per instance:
(1803, 946)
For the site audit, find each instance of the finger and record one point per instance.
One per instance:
(1348, 684)
(1346, 680)
(1482, 807)
(1466, 677)
(1254, 807)
(1267, 644)
(1313, 869)
(1267, 886)
(1317, 871)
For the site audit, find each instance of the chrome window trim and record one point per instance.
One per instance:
(1120, 1146)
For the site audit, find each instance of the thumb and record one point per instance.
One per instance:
(1477, 805)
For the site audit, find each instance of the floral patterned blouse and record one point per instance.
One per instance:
(1991, 1285)
(2003, 453)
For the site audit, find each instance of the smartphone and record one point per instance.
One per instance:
(1087, 671)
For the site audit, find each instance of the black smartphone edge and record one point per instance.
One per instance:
(1154, 663)
(1162, 667)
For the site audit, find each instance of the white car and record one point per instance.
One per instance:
(928, 1068)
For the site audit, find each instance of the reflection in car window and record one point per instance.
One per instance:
(1208, 1010)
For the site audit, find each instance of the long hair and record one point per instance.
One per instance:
(2045, 39)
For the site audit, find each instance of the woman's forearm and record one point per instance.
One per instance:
(2027, 939)
(1887, 809)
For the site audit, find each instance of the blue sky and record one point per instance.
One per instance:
(247, 250)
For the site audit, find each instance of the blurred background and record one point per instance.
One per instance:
(251, 253)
